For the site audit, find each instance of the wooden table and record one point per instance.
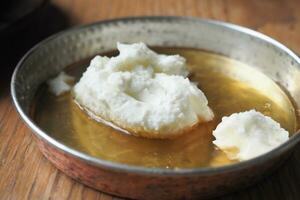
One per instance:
(26, 174)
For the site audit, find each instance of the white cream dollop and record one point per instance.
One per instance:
(145, 93)
(246, 135)
(60, 84)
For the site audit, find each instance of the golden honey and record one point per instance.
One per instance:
(230, 86)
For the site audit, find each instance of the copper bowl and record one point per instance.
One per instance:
(53, 54)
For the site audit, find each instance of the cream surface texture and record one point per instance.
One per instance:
(145, 93)
(245, 135)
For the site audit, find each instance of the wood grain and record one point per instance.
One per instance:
(26, 174)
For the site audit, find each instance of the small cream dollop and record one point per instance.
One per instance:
(246, 135)
(145, 93)
(60, 84)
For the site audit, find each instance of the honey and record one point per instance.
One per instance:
(230, 86)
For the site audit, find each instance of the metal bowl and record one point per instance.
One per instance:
(253, 48)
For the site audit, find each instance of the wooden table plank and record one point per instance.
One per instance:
(26, 174)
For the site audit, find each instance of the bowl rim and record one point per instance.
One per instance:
(110, 165)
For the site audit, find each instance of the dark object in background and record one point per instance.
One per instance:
(23, 23)
(15, 13)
